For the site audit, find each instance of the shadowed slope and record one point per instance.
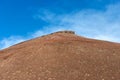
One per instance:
(61, 56)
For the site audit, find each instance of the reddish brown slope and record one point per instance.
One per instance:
(61, 56)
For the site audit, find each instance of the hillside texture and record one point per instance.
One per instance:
(61, 56)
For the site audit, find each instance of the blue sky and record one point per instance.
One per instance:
(21, 20)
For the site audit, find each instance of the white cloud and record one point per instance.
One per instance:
(107, 38)
(90, 23)
(103, 25)
(6, 42)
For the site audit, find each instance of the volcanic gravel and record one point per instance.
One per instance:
(61, 56)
